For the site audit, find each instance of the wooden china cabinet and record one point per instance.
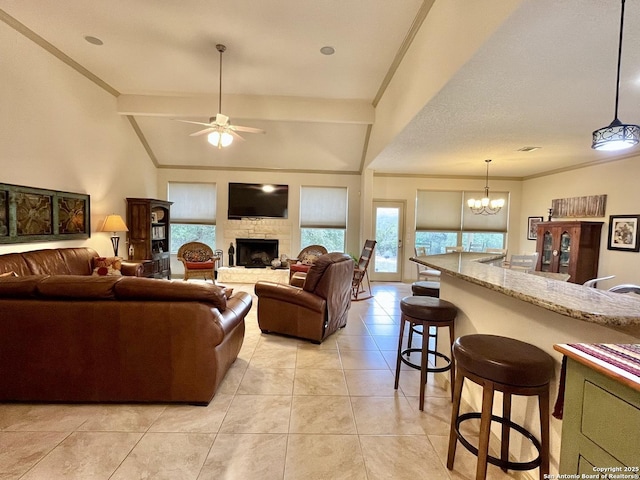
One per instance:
(148, 221)
(571, 247)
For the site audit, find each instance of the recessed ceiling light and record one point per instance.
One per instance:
(528, 149)
(327, 50)
(93, 40)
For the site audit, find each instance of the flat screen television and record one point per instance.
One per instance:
(258, 200)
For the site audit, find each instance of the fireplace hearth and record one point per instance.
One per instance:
(255, 252)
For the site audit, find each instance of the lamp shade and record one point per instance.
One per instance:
(114, 223)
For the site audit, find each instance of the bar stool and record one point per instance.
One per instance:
(425, 289)
(427, 312)
(513, 368)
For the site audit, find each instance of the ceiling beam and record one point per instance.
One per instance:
(279, 108)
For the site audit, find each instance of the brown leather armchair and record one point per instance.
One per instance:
(314, 311)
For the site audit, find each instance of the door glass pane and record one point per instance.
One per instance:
(387, 231)
(547, 252)
(565, 252)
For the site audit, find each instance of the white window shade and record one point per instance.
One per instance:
(485, 223)
(193, 202)
(323, 207)
(438, 210)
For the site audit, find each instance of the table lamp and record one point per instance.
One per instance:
(114, 223)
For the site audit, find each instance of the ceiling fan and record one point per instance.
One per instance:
(220, 132)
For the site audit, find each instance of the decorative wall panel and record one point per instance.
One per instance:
(589, 206)
(30, 214)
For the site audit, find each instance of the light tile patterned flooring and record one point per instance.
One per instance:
(287, 409)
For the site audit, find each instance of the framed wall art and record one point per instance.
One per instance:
(623, 233)
(532, 227)
(30, 214)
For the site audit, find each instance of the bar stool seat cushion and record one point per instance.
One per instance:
(426, 288)
(428, 309)
(504, 360)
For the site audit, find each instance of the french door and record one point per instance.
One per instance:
(388, 217)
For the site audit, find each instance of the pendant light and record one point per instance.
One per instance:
(486, 206)
(617, 135)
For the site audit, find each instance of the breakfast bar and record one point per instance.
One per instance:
(535, 309)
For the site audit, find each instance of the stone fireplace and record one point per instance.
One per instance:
(255, 252)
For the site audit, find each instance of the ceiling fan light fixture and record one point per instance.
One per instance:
(617, 135)
(220, 139)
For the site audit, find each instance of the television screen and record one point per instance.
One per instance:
(257, 200)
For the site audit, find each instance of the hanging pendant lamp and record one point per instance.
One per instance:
(617, 135)
(486, 206)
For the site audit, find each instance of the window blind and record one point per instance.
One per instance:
(323, 207)
(193, 202)
(438, 210)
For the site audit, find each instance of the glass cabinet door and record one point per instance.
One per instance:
(565, 252)
(547, 252)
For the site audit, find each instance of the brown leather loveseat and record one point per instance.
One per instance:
(79, 338)
(59, 261)
(314, 311)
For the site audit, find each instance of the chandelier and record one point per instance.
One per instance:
(486, 206)
(616, 135)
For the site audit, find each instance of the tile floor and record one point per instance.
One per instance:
(287, 409)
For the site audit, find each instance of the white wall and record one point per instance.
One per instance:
(619, 181)
(405, 188)
(295, 180)
(61, 132)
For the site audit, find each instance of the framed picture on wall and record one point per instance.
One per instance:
(623, 233)
(532, 227)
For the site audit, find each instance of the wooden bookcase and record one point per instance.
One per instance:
(571, 247)
(149, 234)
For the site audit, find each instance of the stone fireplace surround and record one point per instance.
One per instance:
(265, 228)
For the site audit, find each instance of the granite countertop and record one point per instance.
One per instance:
(620, 311)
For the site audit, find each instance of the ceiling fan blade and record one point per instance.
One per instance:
(202, 132)
(195, 123)
(239, 128)
(235, 135)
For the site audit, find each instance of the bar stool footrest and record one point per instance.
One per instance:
(504, 464)
(408, 351)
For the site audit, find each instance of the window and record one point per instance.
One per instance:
(323, 217)
(443, 220)
(193, 214)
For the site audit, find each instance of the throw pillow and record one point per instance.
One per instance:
(197, 255)
(308, 259)
(107, 266)
(8, 274)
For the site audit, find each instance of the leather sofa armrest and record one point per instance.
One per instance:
(132, 269)
(289, 294)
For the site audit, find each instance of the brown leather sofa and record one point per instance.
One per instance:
(78, 338)
(59, 261)
(314, 311)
